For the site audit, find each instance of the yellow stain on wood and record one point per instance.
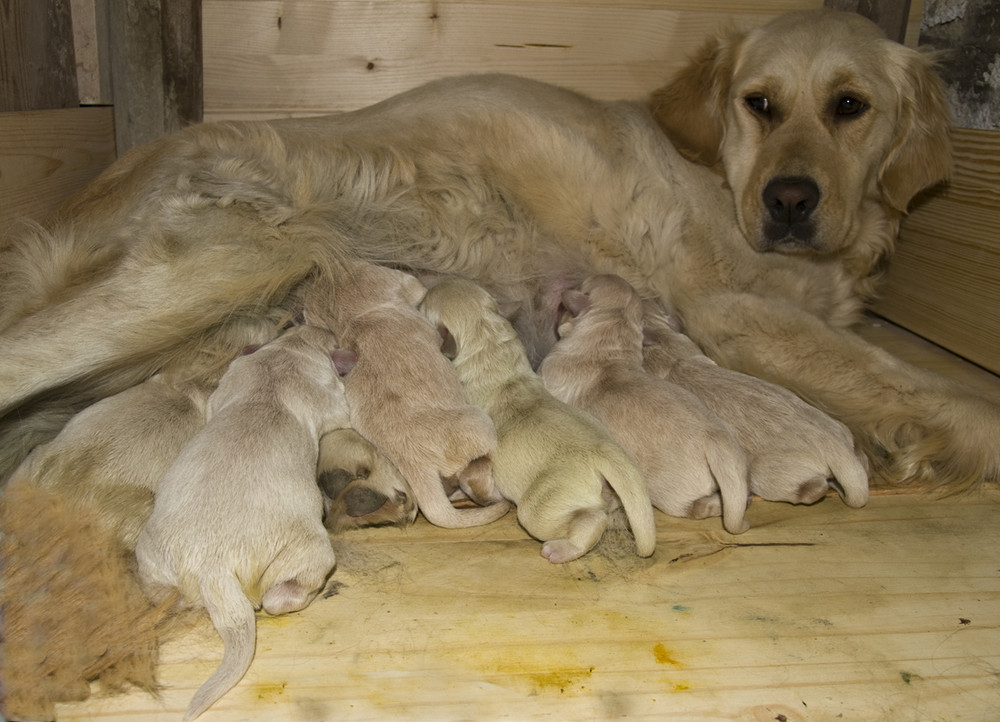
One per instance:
(663, 656)
(564, 680)
(269, 692)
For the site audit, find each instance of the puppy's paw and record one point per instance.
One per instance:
(811, 491)
(705, 507)
(558, 551)
(287, 596)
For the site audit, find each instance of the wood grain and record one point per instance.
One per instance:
(944, 279)
(45, 156)
(298, 57)
(817, 613)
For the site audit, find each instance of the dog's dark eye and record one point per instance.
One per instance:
(850, 106)
(758, 104)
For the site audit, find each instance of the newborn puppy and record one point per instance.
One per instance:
(554, 462)
(796, 452)
(405, 397)
(114, 452)
(237, 522)
(360, 486)
(692, 465)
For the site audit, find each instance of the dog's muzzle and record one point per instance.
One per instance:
(789, 204)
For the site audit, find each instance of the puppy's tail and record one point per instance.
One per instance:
(850, 477)
(731, 470)
(233, 617)
(626, 481)
(437, 508)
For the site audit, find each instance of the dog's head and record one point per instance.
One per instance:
(818, 121)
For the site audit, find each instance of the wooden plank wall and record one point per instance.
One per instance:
(46, 155)
(279, 58)
(944, 279)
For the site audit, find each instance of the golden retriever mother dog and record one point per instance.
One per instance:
(754, 196)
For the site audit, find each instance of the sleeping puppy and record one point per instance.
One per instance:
(237, 522)
(556, 463)
(360, 486)
(405, 397)
(113, 453)
(796, 452)
(692, 465)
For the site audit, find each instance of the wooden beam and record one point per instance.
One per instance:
(37, 62)
(155, 67)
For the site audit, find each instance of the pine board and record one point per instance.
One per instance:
(273, 58)
(47, 155)
(944, 278)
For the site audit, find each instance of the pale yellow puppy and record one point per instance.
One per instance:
(796, 452)
(405, 397)
(112, 454)
(237, 522)
(556, 463)
(692, 465)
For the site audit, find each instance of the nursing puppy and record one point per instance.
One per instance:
(360, 486)
(237, 520)
(692, 465)
(405, 396)
(112, 454)
(554, 462)
(796, 452)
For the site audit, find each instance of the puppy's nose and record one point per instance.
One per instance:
(790, 201)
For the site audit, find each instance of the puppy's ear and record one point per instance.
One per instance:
(449, 345)
(920, 155)
(691, 108)
(575, 301)
(343, 360)
(413, 290)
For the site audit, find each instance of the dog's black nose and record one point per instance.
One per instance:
(790, 201)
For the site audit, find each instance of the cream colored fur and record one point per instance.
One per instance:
(404, 395)
(527, 189)
(237, 521)
(690, 461)
(557, 464)
(796, 452)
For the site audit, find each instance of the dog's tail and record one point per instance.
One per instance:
(626, 481)
(730, 468)
(233, 617)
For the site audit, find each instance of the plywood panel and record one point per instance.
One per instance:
(273, 58)
(944, 279)
(790, 621)
(45, 156)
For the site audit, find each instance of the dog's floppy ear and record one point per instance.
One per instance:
(691, 108)
(920, 155)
